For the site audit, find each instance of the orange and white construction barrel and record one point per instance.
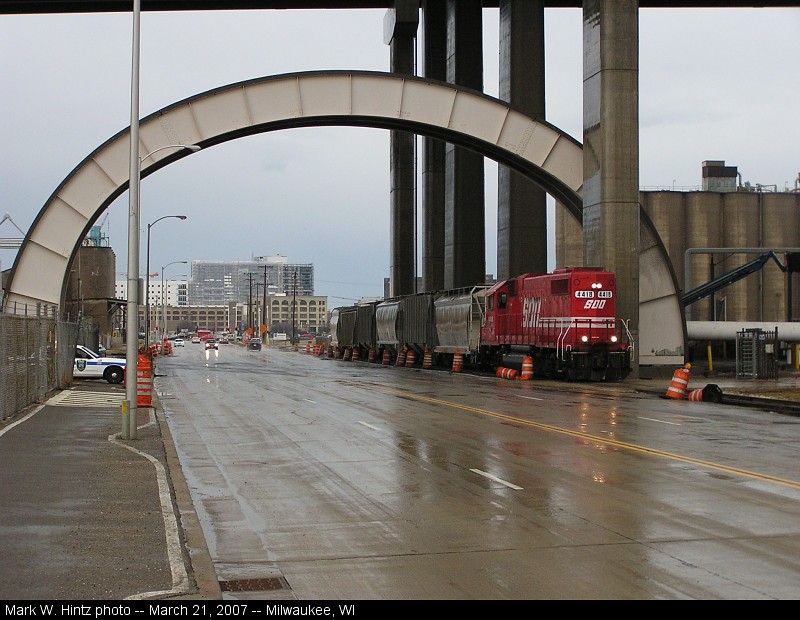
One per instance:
(458, 361)
(680, 383)
(527, 369)
(144, 381)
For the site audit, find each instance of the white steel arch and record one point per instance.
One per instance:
(464, 117)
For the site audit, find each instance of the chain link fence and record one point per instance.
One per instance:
(37, 359)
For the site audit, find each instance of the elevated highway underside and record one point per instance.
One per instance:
(100, 6)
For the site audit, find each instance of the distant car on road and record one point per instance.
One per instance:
(195, 339)
(91, 365)
(178, 342)
(212, 344)
(254, 344)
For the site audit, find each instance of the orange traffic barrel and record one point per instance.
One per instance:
(679, 384)
(709, 394)
(355, 354)
(347, 353)
(458, 361)
(401, 358)
(696, 394)
(144, 382)
(506, 373)
(387, 357)
(411, 358)
(427, 359)
(371, 355)
(527, 369)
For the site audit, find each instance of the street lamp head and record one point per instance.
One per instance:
(191, 147)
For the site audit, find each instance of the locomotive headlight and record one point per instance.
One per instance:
(584, 338)
(613, 338)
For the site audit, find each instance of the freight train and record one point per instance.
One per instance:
(564, 321)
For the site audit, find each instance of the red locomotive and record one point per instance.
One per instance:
(565, 321)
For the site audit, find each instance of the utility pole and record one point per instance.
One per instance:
(294, 300)
(264, 306)
(250, 302)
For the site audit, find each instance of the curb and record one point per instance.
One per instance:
(198, 556)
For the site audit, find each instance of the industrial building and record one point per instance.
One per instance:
(728, 228)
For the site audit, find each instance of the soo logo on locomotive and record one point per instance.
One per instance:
(591, 302)
(530, 311)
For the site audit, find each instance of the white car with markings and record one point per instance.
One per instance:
(91, 365)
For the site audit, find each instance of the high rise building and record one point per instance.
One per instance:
(217, 283)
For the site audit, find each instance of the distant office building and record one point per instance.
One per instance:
(169, 292)
(216, 283)
(307, 313)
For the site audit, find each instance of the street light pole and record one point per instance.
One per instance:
(129, 405)
(164, 297)
(147, 284)
(132, 306)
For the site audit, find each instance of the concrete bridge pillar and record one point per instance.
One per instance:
(611, 148)
(521, 204)
(465, 242)
(400, 28)
(434, 66)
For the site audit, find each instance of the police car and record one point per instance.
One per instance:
(90, 365)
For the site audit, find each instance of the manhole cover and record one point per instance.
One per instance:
(254, 585)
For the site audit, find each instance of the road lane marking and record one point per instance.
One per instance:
(529, 397)
(374, 428)
(496, 479)
(794, 484)
(660, 421)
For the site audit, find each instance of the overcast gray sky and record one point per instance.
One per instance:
(714, 84)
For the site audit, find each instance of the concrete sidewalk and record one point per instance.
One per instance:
(89, 517)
